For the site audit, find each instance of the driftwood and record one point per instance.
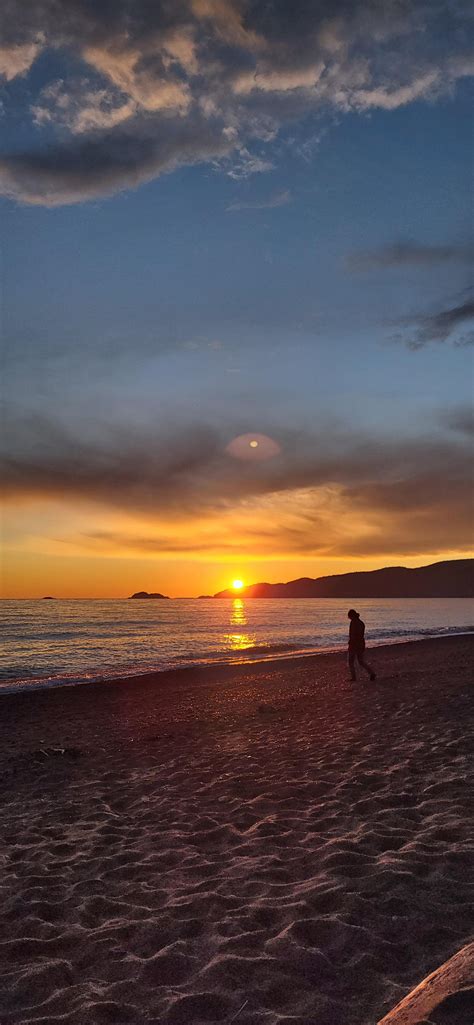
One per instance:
(450, 978)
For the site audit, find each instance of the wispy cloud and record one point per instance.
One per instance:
(411, 254)
(440, 326)
(153, 86)
(278, 199)
(245, 164)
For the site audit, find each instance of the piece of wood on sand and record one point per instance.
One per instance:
(449, 979)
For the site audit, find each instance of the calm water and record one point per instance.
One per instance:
(54, 643)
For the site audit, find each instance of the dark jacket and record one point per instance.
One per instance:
(356, 635)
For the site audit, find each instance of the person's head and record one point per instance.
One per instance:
(352, 614)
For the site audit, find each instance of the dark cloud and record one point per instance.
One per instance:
(156, 85)
(441, 326)
(122, 466)
(88, 22)
(114, 160)
(431, 511)
(411, 254)
(411, 496)
(460, 420)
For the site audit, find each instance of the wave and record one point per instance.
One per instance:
(427, 631)
(20, 678)
(196, 658)
(14, 686)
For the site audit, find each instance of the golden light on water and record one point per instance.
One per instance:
(238, 640)
(238, 616)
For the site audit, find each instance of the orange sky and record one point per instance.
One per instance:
(87, 550)
(30, 575)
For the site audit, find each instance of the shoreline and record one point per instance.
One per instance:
(22, 685)
(255, 842)
(321, 677)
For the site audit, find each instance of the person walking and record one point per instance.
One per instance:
(356, 648)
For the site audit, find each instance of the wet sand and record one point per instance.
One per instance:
(259, 844)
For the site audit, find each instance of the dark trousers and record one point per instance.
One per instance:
(360, 656)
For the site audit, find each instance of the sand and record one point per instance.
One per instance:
(263, 844)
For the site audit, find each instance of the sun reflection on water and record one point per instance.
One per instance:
(237, 616)
(237, 640)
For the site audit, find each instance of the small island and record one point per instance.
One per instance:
(48, 597)
(149, 594)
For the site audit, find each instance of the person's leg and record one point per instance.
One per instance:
(351, 664)
(365, 665)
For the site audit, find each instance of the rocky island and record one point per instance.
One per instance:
(149, 594)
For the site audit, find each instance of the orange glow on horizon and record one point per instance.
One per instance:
(81, 550)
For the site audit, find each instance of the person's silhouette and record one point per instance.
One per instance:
(357, 645)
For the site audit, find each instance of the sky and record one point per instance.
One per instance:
(229, 222)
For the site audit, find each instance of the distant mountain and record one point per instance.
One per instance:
(453, 579)
(149, 594)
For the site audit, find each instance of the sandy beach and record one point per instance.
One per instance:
(259, 844)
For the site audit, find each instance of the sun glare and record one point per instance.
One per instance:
(237, 584)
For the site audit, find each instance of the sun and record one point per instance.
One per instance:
(237, 584)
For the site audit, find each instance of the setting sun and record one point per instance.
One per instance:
(237, 584)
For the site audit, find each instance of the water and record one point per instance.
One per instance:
(54, 643)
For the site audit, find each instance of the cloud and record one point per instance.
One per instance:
(110, 161)
(276, 200)
(279, 81)
(387, 97)
(153, 86)
(460, 420)
(245, 164)
(158, 542)
(186, 495)
(80, 108)
(17, 59)
(145, 79)
(441, 326)
(410, 254)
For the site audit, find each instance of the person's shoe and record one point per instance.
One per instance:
(372, 677)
